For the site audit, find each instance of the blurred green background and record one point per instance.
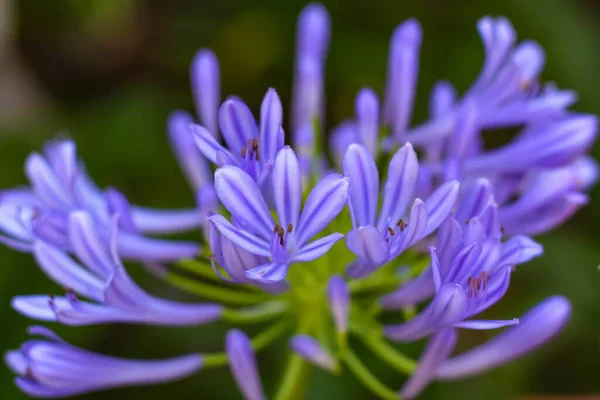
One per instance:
(108, 72)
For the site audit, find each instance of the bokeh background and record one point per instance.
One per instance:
(108, 72)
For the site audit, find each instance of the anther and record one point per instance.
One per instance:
(401, 224)
(502, 229)
(290, 228)
(255, 144)
(244, 152)
(391, 231)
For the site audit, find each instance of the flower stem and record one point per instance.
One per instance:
(296, 373)
(389, 354)
(261, 313)
(367, 378)
(212, 292)
(197, 267)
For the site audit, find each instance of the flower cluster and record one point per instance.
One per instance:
(445, 221)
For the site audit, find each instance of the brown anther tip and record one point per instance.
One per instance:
(255, 144)
(502, 229)
(400, 222)
(513, 268)
(276, 228)
(244, 152)
(262, 272)
(290, 228)
(391, 231)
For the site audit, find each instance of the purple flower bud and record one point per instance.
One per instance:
(206, 88)
(311, 350)
(243, 365)
(367, 119)
(339, 302)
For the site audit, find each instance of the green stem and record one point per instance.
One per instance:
(292, 385)
(382, 284)
(389, 354)
(197, 267)
(259, 342)
(367, 378)
(211, 292)
(250, 315)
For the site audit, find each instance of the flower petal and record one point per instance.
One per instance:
(447, 308)
(240, 195)
(440, 204)
(323, 204)
(268, 273)
(437, 350)
(359, 166)
(519, 249)
(338, 295)
(238, 125)
(317, 248)
(211, 149)
(311, 350)
(271, 120)
(399, 186)
(245, 240)
(366, 110)
(537, 327)
(287, 187)
(368, 244)
(486, 324)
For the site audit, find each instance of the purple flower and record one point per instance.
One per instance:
(60, 186)
(115, 296)
(242, 362)
(377, 240)
(478, 226)
(286, 241)
(51, 367)
(311, 350)
(536, 328)
(249, 147)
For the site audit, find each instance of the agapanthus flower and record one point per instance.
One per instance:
(287, 240)
(450, 224)
(115, 296)
(59, 186)
(51, 368)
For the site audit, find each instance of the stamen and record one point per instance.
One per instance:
(391, 231)
(255, 144)
(244, 152)
(290, 228)
(401, 224)
(477, 284)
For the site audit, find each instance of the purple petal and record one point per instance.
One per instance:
(191, 162)
(211, 149)
(537, 327)
(411, 293)
(403, 69)
(520, 249)
(338, 295)
(440, 204)
(140, 248)
(236, 260)
(242, 362)
(309, 97)
(435, 269)
(268, 273)
(46, 185)
(415, 231)
(399, 186)
(476, 197)
(245, 240)
(317, 248)
(87, 245)
(359, 166)
(153, 221)
(325, 201)
(495, 289)
(447, 308)
(437, 350)
(240, 195)
(37, 306)
(271, 119)
(312, 351)
(206, 88)
(486, 324)
(238, 125)
(443, 97)
(530, 58)
(66, 272)
(287, 187)
(368, 244)
(366, 110)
